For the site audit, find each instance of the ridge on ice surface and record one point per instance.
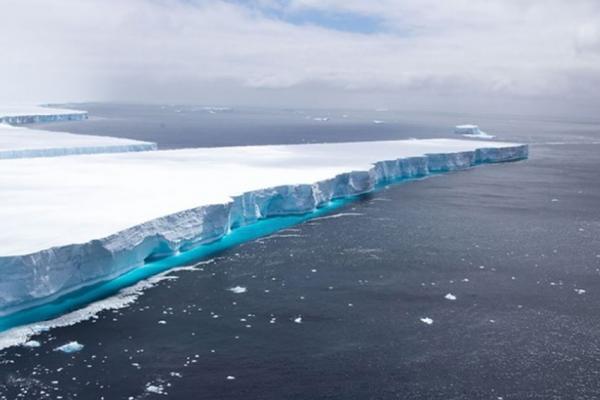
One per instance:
(71, 221)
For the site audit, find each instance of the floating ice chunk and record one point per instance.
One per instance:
(238, 289)
(427, 320)
(378, 122)
(230, 378)
(580, 291)
(32, 343)
(450, 296)
(298, 319)
(156, 389)
(70, 347)
(162, 322)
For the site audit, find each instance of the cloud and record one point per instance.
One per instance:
(195, 50)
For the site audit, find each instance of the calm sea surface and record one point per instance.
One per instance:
(333, 307)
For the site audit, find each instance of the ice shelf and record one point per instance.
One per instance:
(18, 142)
(68, 222)
(16, 115)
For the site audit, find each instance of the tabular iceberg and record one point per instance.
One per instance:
(471, 131)
(72, 221)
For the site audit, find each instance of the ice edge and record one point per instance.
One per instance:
(35, 278)
(57, 115)
(60, 115)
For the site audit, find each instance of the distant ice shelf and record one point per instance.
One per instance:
(69, 222)
(17, 115)
(19, 142)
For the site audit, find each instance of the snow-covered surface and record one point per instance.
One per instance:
(19, 142)
(70, 221)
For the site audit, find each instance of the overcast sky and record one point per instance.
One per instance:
(435, 54)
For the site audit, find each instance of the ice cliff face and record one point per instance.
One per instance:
(34, 278)
(40, 114)
(69, 151)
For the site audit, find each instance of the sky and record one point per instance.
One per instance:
(494, 55)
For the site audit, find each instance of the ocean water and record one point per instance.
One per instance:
(331, 308)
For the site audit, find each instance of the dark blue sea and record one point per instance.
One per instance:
(333, 306)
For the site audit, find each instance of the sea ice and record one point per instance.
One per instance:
(450, 296)
(427, 320)
(238, 289)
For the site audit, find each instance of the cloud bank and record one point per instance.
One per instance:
(314, 52)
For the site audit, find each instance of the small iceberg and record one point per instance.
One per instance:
(472, 131)
(70, 347)
(238, 289)
(32, 344)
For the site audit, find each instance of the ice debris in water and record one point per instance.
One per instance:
(238, 289)
(156, 389)
(580, 291)
(427, 320)
(450, 296)
(230, 378)
(298, 320)
(70, 347)
(32, 343)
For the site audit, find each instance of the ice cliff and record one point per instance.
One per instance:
(29, 115)
(34, 276)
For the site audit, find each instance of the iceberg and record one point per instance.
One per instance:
(71, 222)
(471, 131)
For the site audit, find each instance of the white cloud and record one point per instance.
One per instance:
(162, 49)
